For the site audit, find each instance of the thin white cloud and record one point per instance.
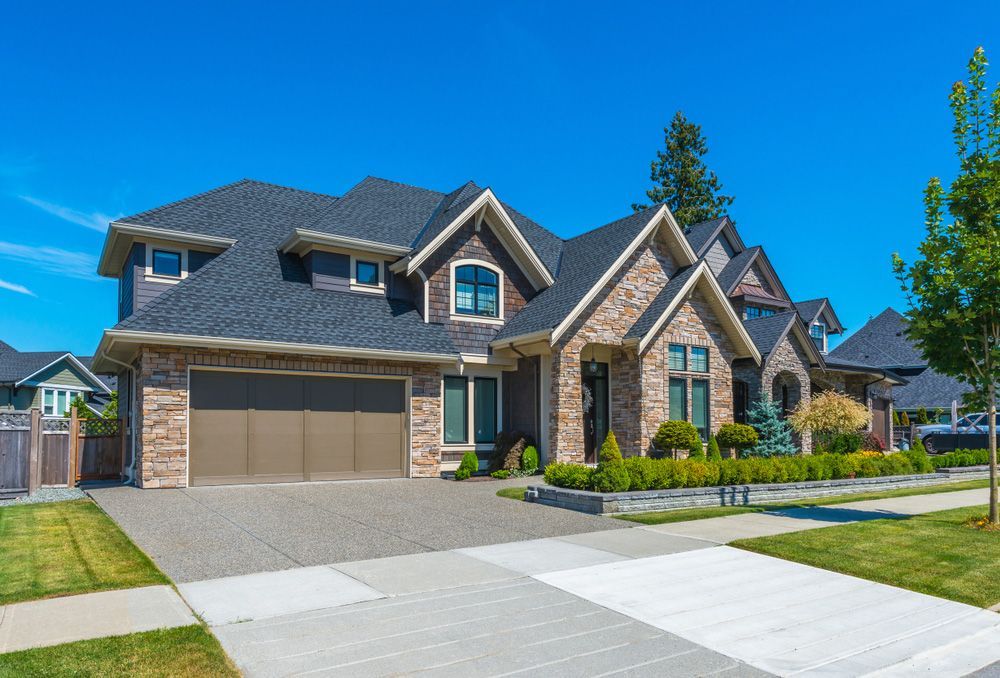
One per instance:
(97, 221)
(14, 287)
(52, 260)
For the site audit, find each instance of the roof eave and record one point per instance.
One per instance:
(301, 240)
(110, 267)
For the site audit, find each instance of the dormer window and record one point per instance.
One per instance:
(818, 334)
(366, 272)
(477, 291)
(165, 264)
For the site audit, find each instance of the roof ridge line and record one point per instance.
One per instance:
(174, 203)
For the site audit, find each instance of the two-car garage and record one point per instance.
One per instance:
(261, 427)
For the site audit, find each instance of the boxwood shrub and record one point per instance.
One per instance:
(961, 458)
(660, 474)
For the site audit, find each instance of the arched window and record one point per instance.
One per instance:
(477, 291)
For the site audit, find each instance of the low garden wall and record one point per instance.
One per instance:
(729, 495)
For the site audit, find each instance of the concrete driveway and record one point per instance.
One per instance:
(210, 532)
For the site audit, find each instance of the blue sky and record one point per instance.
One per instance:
(825, 121)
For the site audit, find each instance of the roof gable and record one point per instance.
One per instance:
(703, 234)
(33, 367)
(673, 294)
(736, 270)
(813, 310)
(768, 332)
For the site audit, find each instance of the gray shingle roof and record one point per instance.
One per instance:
(251, 291)
(768, 332)
(585, 259)
(929, 389)
(5, 347)
(699, 235)
(732, 273)
(446, 212)
(15, 365)
(881, 342)
(547, 245)
(660, 303)
(808, 310)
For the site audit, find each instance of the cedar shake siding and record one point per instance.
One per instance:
(718, 255)
(470, 336)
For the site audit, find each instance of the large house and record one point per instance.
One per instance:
(49, 381)
(270, 334)
(882, 341)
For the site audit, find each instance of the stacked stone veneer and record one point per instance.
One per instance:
(162, 399)
(788, 365)
(695, 323)
(469, 335)
(605, 322)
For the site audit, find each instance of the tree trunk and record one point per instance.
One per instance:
(994, 517)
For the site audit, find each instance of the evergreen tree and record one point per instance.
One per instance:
(775, 434)
(680, 177)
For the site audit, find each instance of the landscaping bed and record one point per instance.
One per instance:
(602, 503)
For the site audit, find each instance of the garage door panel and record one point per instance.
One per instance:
(329, 427)
(257, 427)
(276, 426)
(218, 434)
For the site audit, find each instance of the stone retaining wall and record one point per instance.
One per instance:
(731, 495)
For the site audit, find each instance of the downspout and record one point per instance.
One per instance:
(130, 471)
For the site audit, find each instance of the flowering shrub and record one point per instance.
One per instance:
(831, 413)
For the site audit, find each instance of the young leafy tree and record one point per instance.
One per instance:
(680, 177)
(953, 289)
(111, 409)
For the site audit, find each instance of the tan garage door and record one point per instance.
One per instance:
(269, 428)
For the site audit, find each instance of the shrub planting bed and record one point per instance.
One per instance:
(645, 473)
(960, 458)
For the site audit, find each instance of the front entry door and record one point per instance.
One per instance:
(595, 409)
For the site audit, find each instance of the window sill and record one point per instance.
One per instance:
(462, 317)
(169, 279)
(369, 289)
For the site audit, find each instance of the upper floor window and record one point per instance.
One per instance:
(166, 263)
(366, 272)
(699, 359)
(818, 334)
(677, 357)
(477, 291)
(752, 312)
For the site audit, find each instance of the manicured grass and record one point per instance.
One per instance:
(64, 548)
(185, 651)
(512, 493)
(934, 553)
(680, 515)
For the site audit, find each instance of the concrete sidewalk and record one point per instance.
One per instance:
(725, 529)
(53, 621)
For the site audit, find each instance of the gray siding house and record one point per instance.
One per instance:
(270, 334)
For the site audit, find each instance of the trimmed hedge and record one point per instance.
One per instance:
(661, 474)
(961, 458)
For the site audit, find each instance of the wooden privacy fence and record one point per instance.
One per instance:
(38, 451)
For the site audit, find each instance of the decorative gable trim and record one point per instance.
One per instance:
(768, 270)
(681, 250)
(90, 376)
(729, 232)
(702, 276)
(486, 208)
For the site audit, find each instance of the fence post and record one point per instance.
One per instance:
(74, 442)
(35, 454)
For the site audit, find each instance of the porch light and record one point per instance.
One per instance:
(593, 365)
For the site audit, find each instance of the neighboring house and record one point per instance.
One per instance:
(270, 334)
(882, 341)
(47, 380)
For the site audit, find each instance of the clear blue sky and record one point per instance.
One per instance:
(825, 121)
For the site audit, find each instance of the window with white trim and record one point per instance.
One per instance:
(56, 401)
(752, 312)
(166, 263)
(477, 291)
(366, 272)
(818, 333)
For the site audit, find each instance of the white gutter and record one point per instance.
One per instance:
(118, 228)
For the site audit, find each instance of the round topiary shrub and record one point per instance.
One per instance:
(676, 435)
(468, 466)
(737, 436)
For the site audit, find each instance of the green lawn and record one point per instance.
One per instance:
(64, 548)
(934, 553)
(679, 515)
(512, 493)
(186, 651)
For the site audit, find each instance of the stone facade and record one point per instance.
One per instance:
(787, 366)
(470, 336)
(695, 323)
(604, 324)
(162, 399)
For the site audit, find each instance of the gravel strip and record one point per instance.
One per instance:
(45, 496)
